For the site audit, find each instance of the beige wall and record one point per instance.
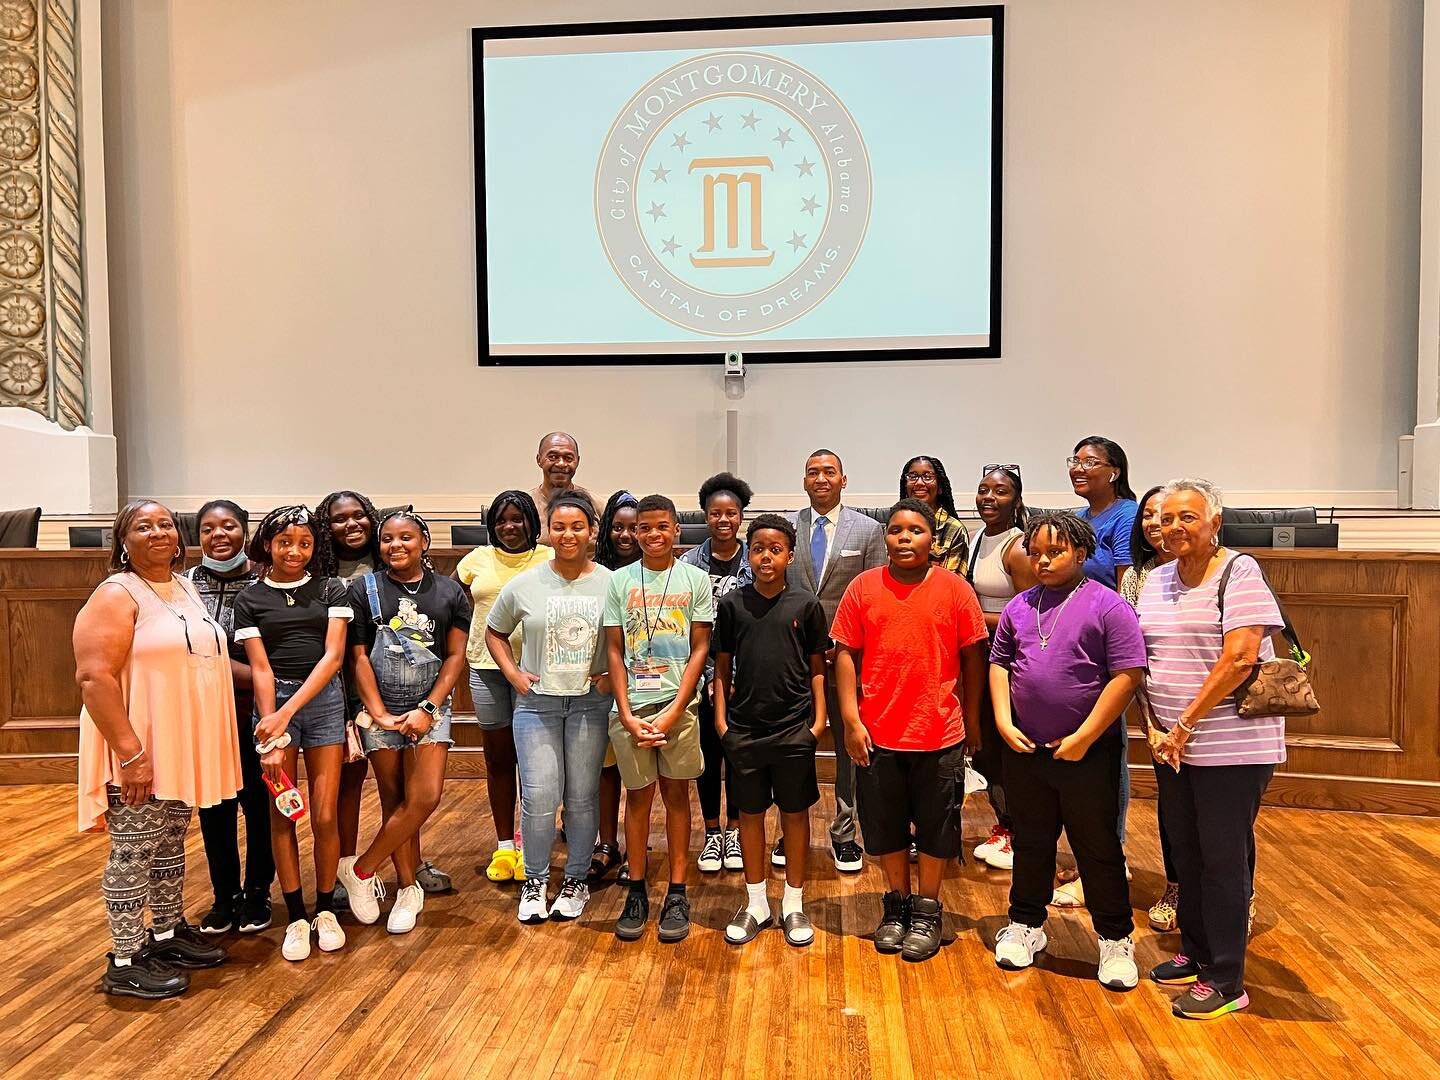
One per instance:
(1210, 254)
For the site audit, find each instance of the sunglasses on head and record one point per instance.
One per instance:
(993, 467)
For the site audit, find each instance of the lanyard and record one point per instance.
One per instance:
(645, 607)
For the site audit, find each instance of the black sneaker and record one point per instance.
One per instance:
(848, 856)
(894, 923)
(922, 940)
(1179, 970)
(255, 913)
(187, 949)
(144, 977)
(674, 917)
(631, 923)
(1203, 1002)
(220, 919)
(777, 854)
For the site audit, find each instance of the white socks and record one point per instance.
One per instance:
(164, 935)
(506, 845)
(122, 961)
(756, 902)
(792, 901)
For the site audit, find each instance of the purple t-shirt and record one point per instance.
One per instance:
(1053, 689)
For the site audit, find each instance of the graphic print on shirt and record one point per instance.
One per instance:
(656, 627)
(572, 625)
(412, 623)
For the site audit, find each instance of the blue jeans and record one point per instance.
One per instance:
(560, 742)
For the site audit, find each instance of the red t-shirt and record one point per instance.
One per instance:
(909, 638)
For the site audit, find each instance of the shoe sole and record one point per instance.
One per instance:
(147, 995)
(331, 948)
(295, 959)
(1161, 927)
(780, 862)
(216, 932)
(555, 916)
(710, 869)
(888, 950)
(1118, 987)
(669, 937)
(535, 920)
(746, 940)
(626, 934)
(404, 930)
(1184, 980)
(255, 928)
(735, 865)
(848, 868)
(915, 958)
(1231, 1006)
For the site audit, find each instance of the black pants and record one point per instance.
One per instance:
(1165, 855)
(1209, 814)
(709, 781)
(218, 826)
(1083, 798)
(988, 762)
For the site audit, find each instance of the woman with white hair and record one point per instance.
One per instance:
(1212, 764)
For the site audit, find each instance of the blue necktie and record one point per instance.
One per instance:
(817, 546)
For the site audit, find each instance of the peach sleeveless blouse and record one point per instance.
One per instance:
(180, 700)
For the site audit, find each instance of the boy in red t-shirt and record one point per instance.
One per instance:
(916, 638)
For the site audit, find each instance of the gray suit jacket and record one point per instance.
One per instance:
(857, 545)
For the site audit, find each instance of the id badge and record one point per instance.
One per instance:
(647, 678)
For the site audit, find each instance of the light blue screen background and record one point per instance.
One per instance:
(922, 107)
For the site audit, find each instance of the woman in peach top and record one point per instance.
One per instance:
(157, 739)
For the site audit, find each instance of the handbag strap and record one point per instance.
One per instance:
(1287, 631)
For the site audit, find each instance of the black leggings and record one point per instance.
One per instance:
(218, 826)
(988, 761)
(715, 760)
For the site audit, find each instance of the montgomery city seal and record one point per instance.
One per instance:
(732, 193)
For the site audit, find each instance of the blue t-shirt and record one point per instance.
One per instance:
(1112, 534)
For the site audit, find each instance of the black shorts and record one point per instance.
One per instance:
(770, 772)
(901, 788)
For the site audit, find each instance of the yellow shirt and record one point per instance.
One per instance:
(486, 570)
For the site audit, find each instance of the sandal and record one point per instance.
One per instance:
(502, 865)
(798, 931)
(604, 859)
(1069, 895)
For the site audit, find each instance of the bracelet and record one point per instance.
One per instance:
(1188, 729)
(137, 757)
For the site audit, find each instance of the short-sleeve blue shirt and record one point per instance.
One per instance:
(1112, 534)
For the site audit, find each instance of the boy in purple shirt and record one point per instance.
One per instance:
(1067, 658)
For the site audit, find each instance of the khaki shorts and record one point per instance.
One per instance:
(679, 759)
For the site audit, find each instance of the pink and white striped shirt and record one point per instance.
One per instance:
(1184, 640)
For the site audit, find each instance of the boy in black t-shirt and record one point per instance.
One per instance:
(769, 710)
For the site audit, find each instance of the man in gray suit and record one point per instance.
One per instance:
(834, 544)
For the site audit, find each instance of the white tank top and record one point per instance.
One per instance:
(987, 560)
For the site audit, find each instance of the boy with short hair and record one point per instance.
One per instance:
(770, 644)
(1067, 658)
(658, 615)
(915, 635)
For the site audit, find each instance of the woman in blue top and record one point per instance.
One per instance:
(1100, 474)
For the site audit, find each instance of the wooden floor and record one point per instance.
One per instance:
(1340, 976)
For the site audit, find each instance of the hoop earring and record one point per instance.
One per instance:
(124, 555)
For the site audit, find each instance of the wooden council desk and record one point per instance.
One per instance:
(1370, 618)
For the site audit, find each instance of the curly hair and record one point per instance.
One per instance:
(420, 523)
(728, 483)
(522, 501)
(914, 506)
(325, 509)
(651, 503)
(1070, 527)
(944, 496)
(322, 556)
(771, 521)
(605, 553)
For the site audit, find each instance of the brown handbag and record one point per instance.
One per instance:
(1279, 687)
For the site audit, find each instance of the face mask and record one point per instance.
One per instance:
(224, 567)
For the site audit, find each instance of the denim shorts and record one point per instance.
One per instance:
(377, 738)
(494, 698)
(320, 722)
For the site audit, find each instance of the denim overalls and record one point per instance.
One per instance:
(405, 671)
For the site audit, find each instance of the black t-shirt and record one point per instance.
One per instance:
(292, 622)
(770, 643)
(425, 616)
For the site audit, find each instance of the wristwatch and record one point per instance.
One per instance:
(430, 708)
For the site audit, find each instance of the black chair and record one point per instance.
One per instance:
(189, 526)
(91, 536)
(469, 536)
(878, 513)
(1295, 515)
(386, 511)
(20, 528)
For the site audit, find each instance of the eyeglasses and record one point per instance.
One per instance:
(993, 467)
(919, 477)
(1088, 464)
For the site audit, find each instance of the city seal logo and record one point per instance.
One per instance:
(732, 193)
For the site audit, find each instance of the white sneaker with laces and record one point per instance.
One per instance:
(328, 934)
(712, 855)
(1017, 944)
(1117, 965)
(297, 940)
(533, 908)
(408, 903)
(733, 859)
(570, 903)
(365, 893)
(1002, 857)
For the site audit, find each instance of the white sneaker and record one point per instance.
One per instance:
(297, 940)
(570, 903)
(533, 908)
(328, 934)
(1017, 944)
(733, 859)
(1002, 857)
(365, 893)
(712, 855)
(408, 903)
(1117, 965)
(999, 837)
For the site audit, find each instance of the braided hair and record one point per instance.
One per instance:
(1073, 529)
(325, 508)
(322, 556)
(944, 496)
(421, 524)
(605, 553)
(522, 501)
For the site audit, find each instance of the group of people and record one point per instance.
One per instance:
(599, 662)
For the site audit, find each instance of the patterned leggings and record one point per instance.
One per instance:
(147, 865)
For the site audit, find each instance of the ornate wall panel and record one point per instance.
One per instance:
(42, 286)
